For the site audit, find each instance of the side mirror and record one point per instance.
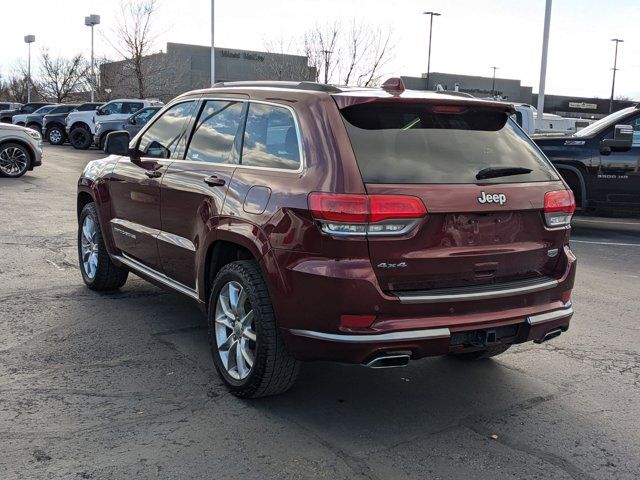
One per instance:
(117, 143)
(621, 142)
(100, 111)
(132, 121)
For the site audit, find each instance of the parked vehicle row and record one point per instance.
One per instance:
(81, 125)
(6, 116)
(54, 124)
(432, 222)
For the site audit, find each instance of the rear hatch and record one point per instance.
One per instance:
(483, 183)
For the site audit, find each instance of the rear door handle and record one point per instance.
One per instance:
(153, 173)
(214, 181)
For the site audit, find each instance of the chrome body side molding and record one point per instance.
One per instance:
(138, 267)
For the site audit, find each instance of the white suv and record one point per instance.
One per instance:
(20, 150)
(81, 126)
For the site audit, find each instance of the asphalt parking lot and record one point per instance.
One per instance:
(121, 385)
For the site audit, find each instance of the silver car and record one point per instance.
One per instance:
(20, 150)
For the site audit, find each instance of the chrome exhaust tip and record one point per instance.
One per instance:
(549, 335)
(389, 361)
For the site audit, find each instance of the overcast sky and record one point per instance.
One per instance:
(468, 38)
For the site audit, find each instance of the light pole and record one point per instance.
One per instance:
(431, 15)
(493, 83)
(615, 69)
(543, 62)
(29, 39)
(213, 48)
(91, 21)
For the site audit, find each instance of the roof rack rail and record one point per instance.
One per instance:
(313, 86)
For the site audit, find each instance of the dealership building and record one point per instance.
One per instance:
(188, 67)
(512, 90)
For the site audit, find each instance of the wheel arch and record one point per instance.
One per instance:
(83, 199)
(220, 253)
(79, 124)
(32, 154)
(564, 168)
(55, 124)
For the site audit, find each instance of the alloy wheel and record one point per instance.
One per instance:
(235, 330)
(55, 136)
(89, 247)
(13, 161)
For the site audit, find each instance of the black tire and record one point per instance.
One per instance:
(56, 135)
(274, 371)
(10, 151)
(80, 138)
(107, 275)
(482, 354)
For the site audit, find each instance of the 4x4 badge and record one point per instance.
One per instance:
(499, 198)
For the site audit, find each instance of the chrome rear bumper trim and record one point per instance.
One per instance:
(549, 316)
(375, 338)
(467, 297)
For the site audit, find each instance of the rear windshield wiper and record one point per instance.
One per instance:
(493, 172)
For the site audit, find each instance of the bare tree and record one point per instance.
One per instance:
(356, 56)
(60, 77)
(356, 45)
(323, 41)
(280, 65)
(378, 48)
(16, 88)
(136, 38)
(102, 81)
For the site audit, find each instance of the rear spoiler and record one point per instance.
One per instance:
(347, 99)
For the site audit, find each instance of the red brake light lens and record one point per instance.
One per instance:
(559, 207)
(347, 214)
(383, 207)
(339, 208)
(559, 201)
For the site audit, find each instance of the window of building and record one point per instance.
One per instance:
(215, 132)
(270, 138)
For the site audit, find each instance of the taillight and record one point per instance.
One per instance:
(558, 208)
(346, 214)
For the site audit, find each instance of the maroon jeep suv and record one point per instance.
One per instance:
(313, 222)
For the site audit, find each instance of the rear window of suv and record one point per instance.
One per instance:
(413, 142)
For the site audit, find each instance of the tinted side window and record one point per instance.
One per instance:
(112, 108)
(4, 106)
(270, 138)
(144, 115)
(131, 107)
(161, 139)
(30, 108)
(88, 107)
(215, 132)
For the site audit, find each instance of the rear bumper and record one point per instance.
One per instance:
(360, 348)
(315, 294)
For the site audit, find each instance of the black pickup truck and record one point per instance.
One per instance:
(601, 163)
